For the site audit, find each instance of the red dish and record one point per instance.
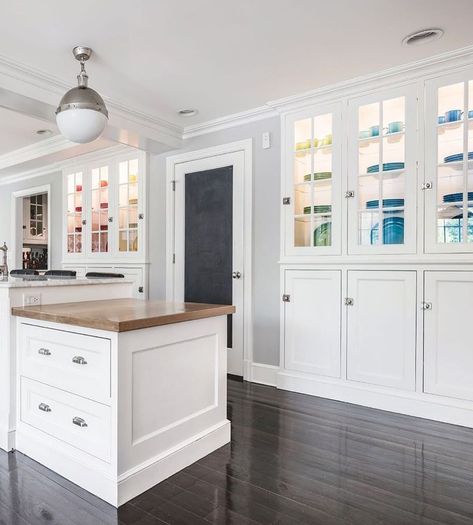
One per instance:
(78, 187)
(104, 204)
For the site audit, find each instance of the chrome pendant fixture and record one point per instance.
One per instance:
(81, 115)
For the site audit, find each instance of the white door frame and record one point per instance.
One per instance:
(16, 239)
(246, 147)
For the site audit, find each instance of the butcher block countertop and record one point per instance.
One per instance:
(121, 315)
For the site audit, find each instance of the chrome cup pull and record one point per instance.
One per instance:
(44, 407)
(79, 422)
(44, 351)
(79, 360)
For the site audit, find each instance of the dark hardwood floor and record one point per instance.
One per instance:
(293, 459)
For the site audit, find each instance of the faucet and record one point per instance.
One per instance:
(4, 266)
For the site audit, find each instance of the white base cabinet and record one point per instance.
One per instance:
(448, 349)
(397, 340)
(381, 328)
(160, 403)
(312, 315)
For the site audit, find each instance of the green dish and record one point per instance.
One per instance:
(320, 175)
(323, 234)
(324, 208)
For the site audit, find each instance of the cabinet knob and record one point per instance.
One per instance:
(236, 275)
(79, 360)
(79, 422)
(44, 351)
(110, 219)
(44, 407)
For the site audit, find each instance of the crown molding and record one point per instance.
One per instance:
(229, 121)
(411, 71)
(33, 151)
(52, 167)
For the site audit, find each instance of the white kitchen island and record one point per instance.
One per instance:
(17, 292)
(118, 395)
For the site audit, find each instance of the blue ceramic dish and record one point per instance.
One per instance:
(393, 231)
(457, 197)
(387, 203)
(457, 157)
(387, 166)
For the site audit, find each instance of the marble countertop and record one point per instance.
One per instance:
(57, 281)
(122, 315)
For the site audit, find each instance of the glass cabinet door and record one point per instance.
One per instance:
(382, 173)
(75, 212)
(449, 146)
(99, 198)
(128, 206)
(313, 208)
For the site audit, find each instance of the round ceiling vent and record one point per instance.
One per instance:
(422, 37)
(187, 112)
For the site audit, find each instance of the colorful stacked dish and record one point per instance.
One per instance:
(393, 231)
(321, 175)
(457, 197)
(387, 203)
(457, 157)
(387, 166)
(319, 209)
(323, 234)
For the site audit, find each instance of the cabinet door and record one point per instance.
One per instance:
(382, 172)
(130, 205)
(449, 164)
(100, 220)
(448, 349)
(312, 184)
(312, 321)
(75, 212)
(381, 338)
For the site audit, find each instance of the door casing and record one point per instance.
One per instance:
(239, 155)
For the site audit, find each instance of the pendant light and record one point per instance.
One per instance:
(81, 115)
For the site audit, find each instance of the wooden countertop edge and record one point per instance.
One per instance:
(124, 326)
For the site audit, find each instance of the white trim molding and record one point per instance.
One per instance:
(245, 146)
(264, 374)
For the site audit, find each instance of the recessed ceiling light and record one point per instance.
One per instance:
(423, 37)
(44, 132)
(187, 112)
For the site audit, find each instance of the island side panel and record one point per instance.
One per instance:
(172, 400)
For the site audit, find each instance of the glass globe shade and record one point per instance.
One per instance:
(80, 124)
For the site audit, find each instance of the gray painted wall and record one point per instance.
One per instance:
(55, 221)
(266, 199)
(266, 227)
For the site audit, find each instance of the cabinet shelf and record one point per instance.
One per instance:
(396, 136)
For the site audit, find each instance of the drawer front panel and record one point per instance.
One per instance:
(77, 363)
(84, 424)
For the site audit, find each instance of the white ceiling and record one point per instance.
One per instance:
(223, 56)
(18, 130)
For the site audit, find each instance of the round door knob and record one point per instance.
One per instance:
(236, 275)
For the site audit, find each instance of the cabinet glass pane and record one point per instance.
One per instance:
(313, 158)
(454, 164)
(100, 206)
(381, 172)
(74, 216)
(128, 203)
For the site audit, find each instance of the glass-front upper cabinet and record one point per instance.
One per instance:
(312, 186)
(449, 164)
(382, 173)
(105, 206)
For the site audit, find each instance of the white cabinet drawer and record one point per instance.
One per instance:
(77, 363)
(82, 423)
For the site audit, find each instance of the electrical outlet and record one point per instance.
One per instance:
(31, 300)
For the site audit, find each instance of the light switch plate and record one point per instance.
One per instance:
(266, 140)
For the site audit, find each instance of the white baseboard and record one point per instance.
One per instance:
(138, 482)
(264, 374)
(416, 404)
(7, 439)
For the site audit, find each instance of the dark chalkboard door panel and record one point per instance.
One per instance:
(208, 204)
